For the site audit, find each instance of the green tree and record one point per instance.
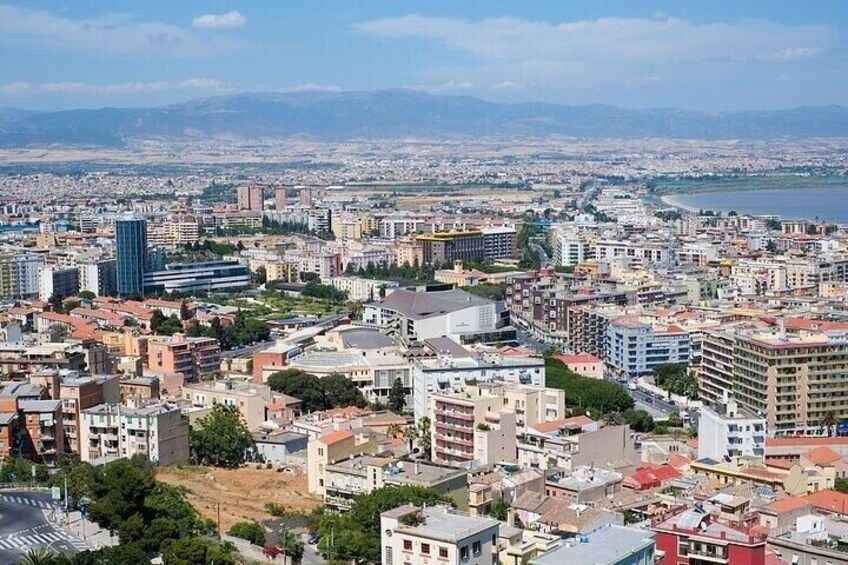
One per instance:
(639, 420)
(425, 439)
(841, 485)
(40, 556)
(156, 320)
(250, 531)
(301, 385)
(340, 391)
(397, 397)
(829, 422)
(87, 295)
(185, 313)
(130, 554)
(222, 439)
(499, 509)
(598, 396)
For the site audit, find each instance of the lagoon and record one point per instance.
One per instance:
(825, 203)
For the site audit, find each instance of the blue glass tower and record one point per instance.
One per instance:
(131, 255)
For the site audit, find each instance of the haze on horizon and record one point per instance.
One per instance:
(705, 56)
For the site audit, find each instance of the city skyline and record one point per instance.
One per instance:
(721, 56)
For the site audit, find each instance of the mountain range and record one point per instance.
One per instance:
(400, 113)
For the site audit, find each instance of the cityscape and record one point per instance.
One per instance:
(387, 322)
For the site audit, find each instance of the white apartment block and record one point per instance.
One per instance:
(421, 536)
(173, 233)
(645, 252)
(392, 227)
(570, 247)
(98, 277)
(726, 432)
(159, 432)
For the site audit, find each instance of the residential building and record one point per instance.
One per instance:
(331, 448)
(131, 254)
(499, 242)
(361, 289)
(176, 232)
(79, 393)
(608, 545)
(280, 198)
(206, 276)
(159, 432)
(277, 447)
(251, 198)
(421, 535)
(583, 485)
(575, 442)
(19, 275)
(320, 220)
(694, 536)
(584, 364)
(192, 357)
(635, 348)
(58, 282)
(725, 431)
(571, 248)
(99, 277)
(465, 245)
(249, 399)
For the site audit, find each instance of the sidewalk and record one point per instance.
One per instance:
(86, 530)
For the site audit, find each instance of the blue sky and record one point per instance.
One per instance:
(710, 55)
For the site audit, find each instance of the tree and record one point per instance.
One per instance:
(185, 313)
(598, 396)
(499, 509)
(301, 385)
(40, 556)
(675, 378)
(156, 320)
(425, 440)
(639, 420)
(222, 439)
(829, 422)
(250, 531)
(261, 275)
(394, 430)
(87, 295)
(56, 302)
(340, 391)
(397, 397)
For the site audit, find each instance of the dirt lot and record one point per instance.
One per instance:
(242, 492)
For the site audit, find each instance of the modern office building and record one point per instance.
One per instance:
(206, 276)
(251, 198)
(460, 245)
(59, 282)
(131, 255)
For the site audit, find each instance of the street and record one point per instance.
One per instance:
(246, 350)
(24, 525)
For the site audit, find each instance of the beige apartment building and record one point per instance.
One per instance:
(791, 380)
(81, 393)
(478, 426)
(250, 399)
(192, 357)
(331, 448)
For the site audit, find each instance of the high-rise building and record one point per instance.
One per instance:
(19, 275)
(131, 254)
(251, 198)
(98, 277)
(59, 282)
(280, 198)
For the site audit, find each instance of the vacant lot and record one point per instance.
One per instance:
(243, 492)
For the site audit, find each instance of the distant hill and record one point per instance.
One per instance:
(396, 113)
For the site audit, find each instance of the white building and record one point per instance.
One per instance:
(644, 252)
(159, 432)
(419, 536)
(98, 277)
(432, 314)
(19, 275)
(726, 431)
(635, 348)
(358, 288)
(61, 282)
(570, 247)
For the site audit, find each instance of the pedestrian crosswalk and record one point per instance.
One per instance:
(18, 499)
(24, 541)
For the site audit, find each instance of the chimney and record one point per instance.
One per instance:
(510, 517)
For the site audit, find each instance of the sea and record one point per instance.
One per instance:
(826, 203)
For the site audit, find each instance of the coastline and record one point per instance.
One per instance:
(672, 200)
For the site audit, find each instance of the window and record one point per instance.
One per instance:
(463, 553)
(443, 553)
(389, 555)
(407, 545)
(425, 549)
(475, 548)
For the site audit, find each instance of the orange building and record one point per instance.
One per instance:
(192, 357)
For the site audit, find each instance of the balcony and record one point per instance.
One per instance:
(468, 416)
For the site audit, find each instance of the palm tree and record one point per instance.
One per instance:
(394, 430)
(40, 556)
(829, 421)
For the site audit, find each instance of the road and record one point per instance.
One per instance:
(24, 526)
(247, 350)
(544, 260)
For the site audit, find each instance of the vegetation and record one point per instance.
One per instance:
(221, 438)
(499, 509)
(598, 396)
(492, 291)
(841, 485)
(676, 379)
(250, 531)
(149, 517)
(332, 391)
(397, 397)
(325, 292)
(243, 331)
(356, 534)
(161, 325)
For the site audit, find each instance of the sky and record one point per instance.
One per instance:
(712, 55)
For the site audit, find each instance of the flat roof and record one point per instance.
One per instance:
(608, 544)
(441, 523)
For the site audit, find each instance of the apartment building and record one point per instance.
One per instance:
(570, 247)
(646, 253)
(575, 442)
(79, 393)
(791, 380)
(635, 348)
(608, 545)
(460, 245)
(159, 432)
(31, 423)
(250, 399)
(392, 227)
(19, 275)
(361, 289)
(331, 448)
(499, 242)
(583, 485)
(725, 431)
(193, 357)
(58, 282)
(176, 232)
(251, 198)
(99, 277)
(420, 535)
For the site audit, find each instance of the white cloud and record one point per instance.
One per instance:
(71, 87)
(229, 20)
(594, 55)
(107, 34)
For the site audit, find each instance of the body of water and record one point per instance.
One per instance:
(826, 203)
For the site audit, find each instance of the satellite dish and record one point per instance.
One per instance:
(400, 465)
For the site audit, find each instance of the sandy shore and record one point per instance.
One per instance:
(672, 200)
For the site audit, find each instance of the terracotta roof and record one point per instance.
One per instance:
(780, 463)
(547, 427)
(579, 358)
(678, 461)
(822, 456)
(829, 500)
(804, 441)
(335, 437)
(787, 504)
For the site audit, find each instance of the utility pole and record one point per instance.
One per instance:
(219, 519)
